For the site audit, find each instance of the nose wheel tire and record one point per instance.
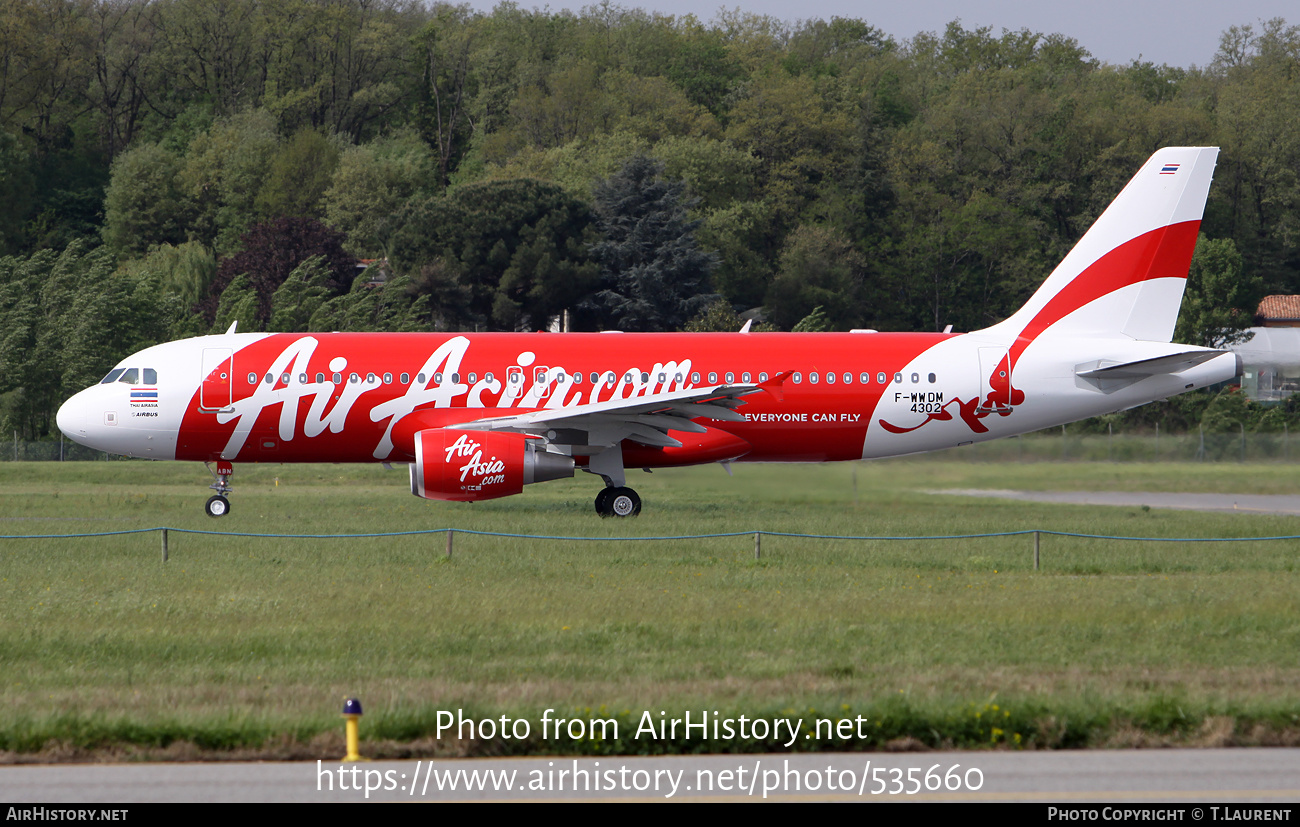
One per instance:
(217, 506)
(618, 502)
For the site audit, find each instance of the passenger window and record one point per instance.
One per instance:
(150, 376)
(113, 374)
(797, 377)
(487, 377)
(812, 377)
(130, 376)
(269, 379)
(695, 378)
(388, 378)
(577, 378)
(473, 377)
(284, 378)
(898, 378)
(338, 379)
(419, 377)
(744, 377)
(864, 378)
(371, 379)
(354, 379)
(252, 378)
(645, 378)
(762, 377)
(609, 378)
(595, 378)
(830, 378)
(663, 377)
(916, 377)
(677, 378)
(455, 378)
(932, 379)
(320, 379)
(302, 379)
(731, 377)
(713, 378)
(848, 379)
(561, 378)
(437, 378)
(405, 378)
(880, 377)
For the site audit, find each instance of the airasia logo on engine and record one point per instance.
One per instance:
(487, 471)
(461, 465)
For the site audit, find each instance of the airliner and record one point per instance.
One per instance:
(478, 416)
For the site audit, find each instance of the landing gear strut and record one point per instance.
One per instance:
(219, 504)
(616, 501)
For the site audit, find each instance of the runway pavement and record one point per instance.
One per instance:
(1242, 503)
(1120, 777)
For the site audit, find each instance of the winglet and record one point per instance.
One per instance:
(773, 385)
(233, 325)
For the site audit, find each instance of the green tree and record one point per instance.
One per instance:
(375, 185)
(654, 276)
(299, 173)
(518, 247)
(143, 205)
(1219, 301)
(819, 271)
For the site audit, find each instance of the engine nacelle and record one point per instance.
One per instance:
(480, 465)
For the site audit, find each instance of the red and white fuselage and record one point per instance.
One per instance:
(1093, 339)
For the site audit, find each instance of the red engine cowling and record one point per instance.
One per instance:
(480, 465)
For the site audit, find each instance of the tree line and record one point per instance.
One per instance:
(172, 167)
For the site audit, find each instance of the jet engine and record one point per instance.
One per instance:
(480, 465)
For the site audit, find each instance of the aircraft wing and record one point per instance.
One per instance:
(644, 419)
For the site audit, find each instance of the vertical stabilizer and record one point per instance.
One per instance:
(1125, 277)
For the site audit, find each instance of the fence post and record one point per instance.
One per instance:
(1200, 452)
(758, 544)
(1064, 453)
(1036, 544)
(1285, 456)
(1243, 440)
(449, 533)
(1110, 441)
(15, 446)
(164, 545)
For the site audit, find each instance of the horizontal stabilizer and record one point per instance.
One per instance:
(1173, 363)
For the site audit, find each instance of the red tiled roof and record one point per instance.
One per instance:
(1279, 307)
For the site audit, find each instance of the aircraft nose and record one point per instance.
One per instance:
(71, 418)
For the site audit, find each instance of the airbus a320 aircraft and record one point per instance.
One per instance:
(479, 416)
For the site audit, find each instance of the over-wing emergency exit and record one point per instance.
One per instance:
(480, 415)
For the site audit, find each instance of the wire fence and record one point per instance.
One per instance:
(1037, 534)
(1055, 445)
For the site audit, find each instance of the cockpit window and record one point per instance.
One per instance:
(150, 376)
(112, 376)
(131, 376)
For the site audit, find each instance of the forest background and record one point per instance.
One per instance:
(168, 167)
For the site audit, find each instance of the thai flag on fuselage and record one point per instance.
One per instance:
(1169, 169)
(144, 393)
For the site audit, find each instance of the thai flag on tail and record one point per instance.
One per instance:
(1169, 169)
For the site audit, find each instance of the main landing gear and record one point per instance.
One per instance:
(218, 505)
(617, 501)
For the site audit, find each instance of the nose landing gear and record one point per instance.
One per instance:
(218, 505)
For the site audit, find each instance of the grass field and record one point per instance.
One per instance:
(245, 646)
